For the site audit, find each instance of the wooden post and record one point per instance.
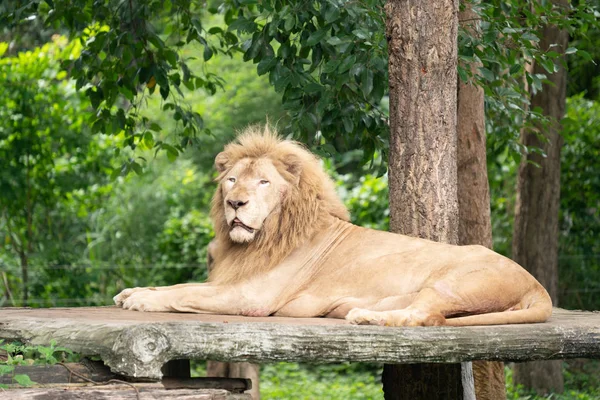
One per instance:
(177, 369)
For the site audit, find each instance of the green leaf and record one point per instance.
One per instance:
(571, 50)
(265, 65)
(254, 49)
(530, 36)
(23, 380)
(366, 82)
(156, 41)
(313, 87)
(243, 25)
(332, 13)
(155, 127)
(126, 92)
(347, 64)
(548, 65)
(515, 68)
(487, 74)
(197, 24)
(137, 168)
(586, 56)
(6, 369)
(348, 124)
(208, 53)
(164, 91)
(462, 74)
(331, 66)
(171, 57)
(316, 37)
(290, 22)
(148, 140)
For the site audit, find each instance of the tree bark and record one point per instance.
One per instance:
(25, 277)
(422, 46)
(475, 226)
(535, 239)
(244, 370)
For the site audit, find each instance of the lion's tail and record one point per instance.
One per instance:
(539, 309)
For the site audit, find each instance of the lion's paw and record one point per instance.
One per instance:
(148, 301)
(360, 316)
(124, 295)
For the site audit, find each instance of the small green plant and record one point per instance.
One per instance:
(16, 353)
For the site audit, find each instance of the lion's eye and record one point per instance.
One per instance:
(264, 182)
(231, 179)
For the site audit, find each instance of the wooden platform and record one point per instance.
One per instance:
(137, 344)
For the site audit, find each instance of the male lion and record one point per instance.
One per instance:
(285, 247)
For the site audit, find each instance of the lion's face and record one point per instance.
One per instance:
(252, 191)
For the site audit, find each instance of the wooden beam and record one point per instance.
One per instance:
(138, 344)
(71, 373)
(115, 392)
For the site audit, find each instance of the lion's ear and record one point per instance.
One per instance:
(293, 165)
(221, 161)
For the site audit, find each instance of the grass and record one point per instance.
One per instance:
(363, 381)
(307, 382)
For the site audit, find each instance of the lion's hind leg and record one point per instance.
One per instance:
(425, 310)
(406, 317)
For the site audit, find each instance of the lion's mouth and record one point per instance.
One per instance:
(237, 222)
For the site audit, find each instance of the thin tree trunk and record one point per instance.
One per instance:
(422, 45)
(24, 277)
(535, 239)
(475, 226)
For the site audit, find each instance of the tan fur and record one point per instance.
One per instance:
(284, 246)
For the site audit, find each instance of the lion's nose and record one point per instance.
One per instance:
(235, 204)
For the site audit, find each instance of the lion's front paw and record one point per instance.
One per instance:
(149, 301)
(360, 316)
(124, 295)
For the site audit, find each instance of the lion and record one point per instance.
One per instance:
(284, 245)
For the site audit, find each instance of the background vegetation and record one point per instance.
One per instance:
(98, 194)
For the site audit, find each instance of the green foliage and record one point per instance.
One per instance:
(584, 69)
(580, 205)
(510, 36)
(337, 381)
(16, 353)
(502, 177)
(579, 264)
(581, 383)
(154, 229)
(366, 199)
(45, 154)
(328, 60)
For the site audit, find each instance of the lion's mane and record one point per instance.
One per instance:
(303, 209)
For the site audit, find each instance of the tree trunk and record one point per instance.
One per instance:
(422, 45)
(236, 370)
(535, 239)
(24, 277)
(475, 226)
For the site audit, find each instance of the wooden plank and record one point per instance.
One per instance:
(114, 392)
(94, 370)
(138, 344)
